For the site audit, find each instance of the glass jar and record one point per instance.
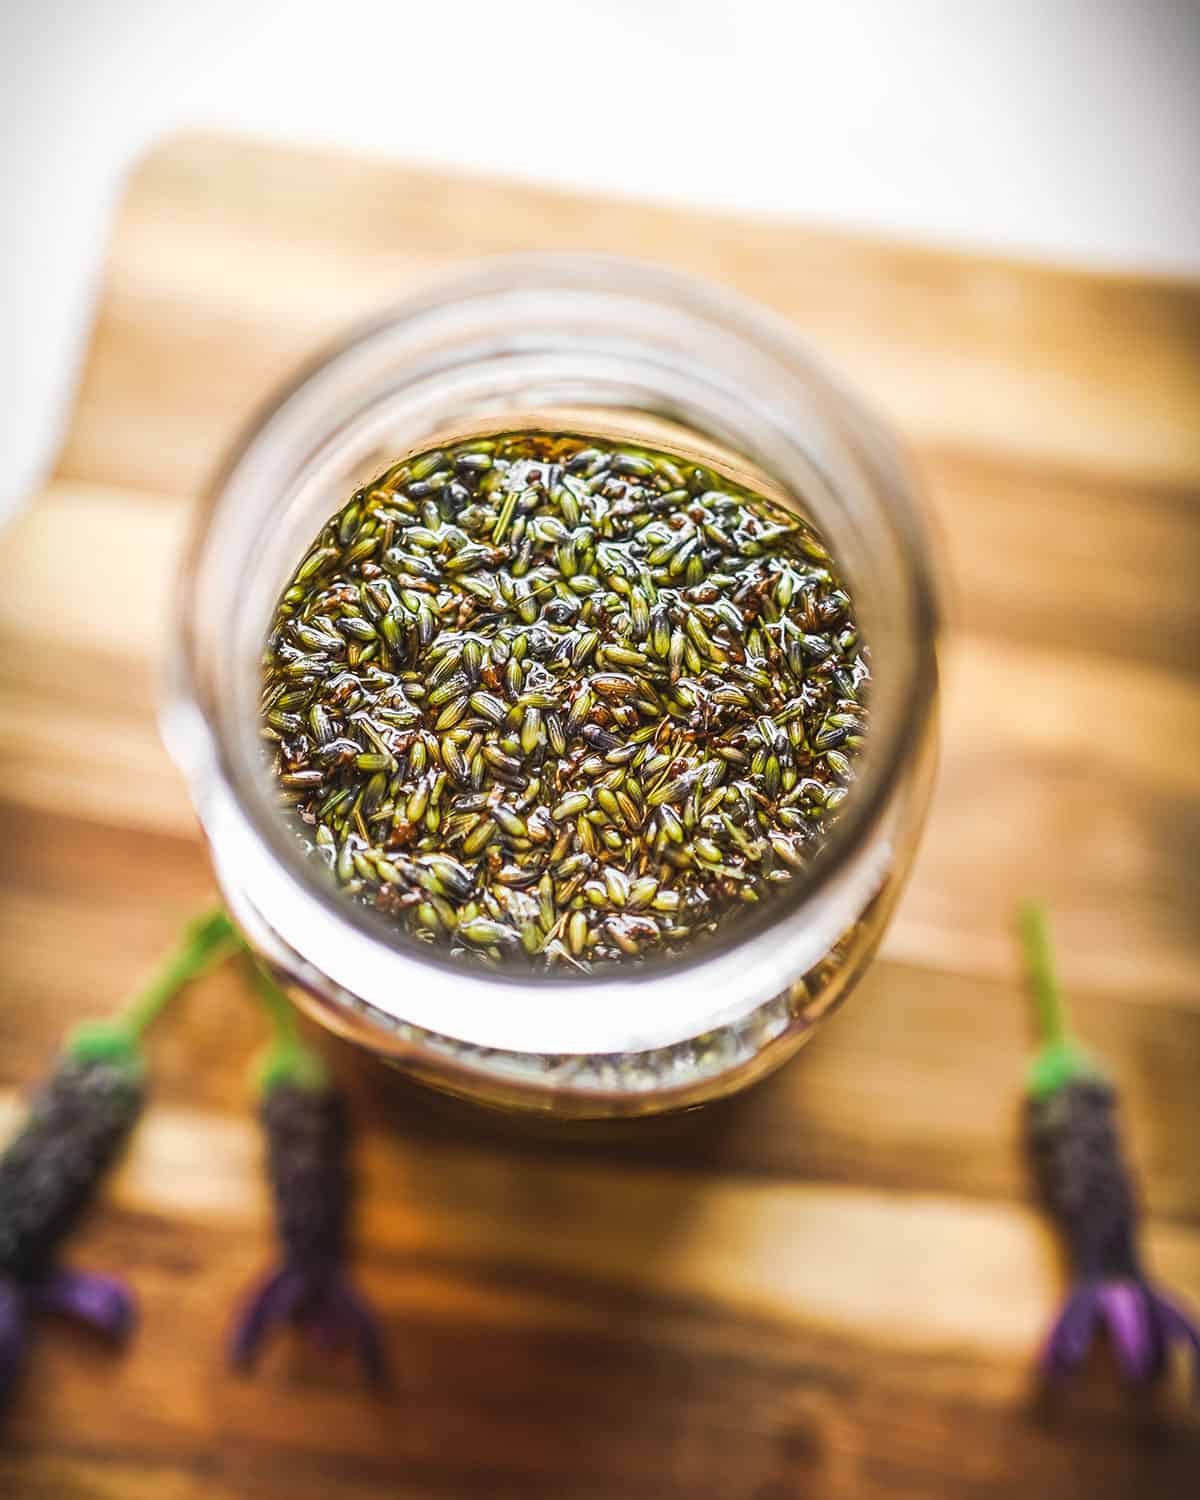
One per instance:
(618, 350)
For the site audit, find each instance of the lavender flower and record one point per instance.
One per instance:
(52, 1168)
(47, 1176)
(305, 1123)
(1071, 1118)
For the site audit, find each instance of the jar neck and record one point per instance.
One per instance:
(635, 350)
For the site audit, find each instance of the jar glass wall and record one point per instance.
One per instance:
(617, 351)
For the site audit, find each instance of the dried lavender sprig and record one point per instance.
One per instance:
(76, 1126)
(1074, 1139)
(304, 1118)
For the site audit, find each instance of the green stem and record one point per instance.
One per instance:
(1059, 1059)
(206, 941)
(1043, 980)
(288, 1060)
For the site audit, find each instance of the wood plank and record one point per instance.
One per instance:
(914, 1088)
(612, 1350)
(62, 1476)
(228, 266)
(1066, 777)
(832, 1284)
(908, 1272)
(1046, 556)
(1065, 771)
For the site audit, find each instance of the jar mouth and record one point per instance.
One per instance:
(546, 333)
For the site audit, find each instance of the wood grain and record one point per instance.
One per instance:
(830, 1285)
(221, 251)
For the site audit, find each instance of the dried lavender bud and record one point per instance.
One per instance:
(77, 1124)
(50, 1170)
(304, 1119)
(1074, 1141)
(306, 1160)
(306, 1155)
(1076, 1151)
(531, 618)
(47, 1176)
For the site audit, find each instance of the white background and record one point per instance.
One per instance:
(1067, 129)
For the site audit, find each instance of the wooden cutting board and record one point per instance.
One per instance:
(832, 1286)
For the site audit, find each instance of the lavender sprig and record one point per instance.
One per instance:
(304, 1118)
(1071, 1120)
(75, 1128)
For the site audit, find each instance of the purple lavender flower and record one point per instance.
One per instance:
(306, 1132)
(50, 1171)
(47, 1176)
(104, 1303)
(1071, 1118)
(101, 1303)
(1140, 1322)
(13, 1315)
(1077, 1153)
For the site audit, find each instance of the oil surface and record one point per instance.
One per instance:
(546, 701)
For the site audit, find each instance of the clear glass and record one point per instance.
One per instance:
(617, 349)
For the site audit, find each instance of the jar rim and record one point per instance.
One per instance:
(606, 1011)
